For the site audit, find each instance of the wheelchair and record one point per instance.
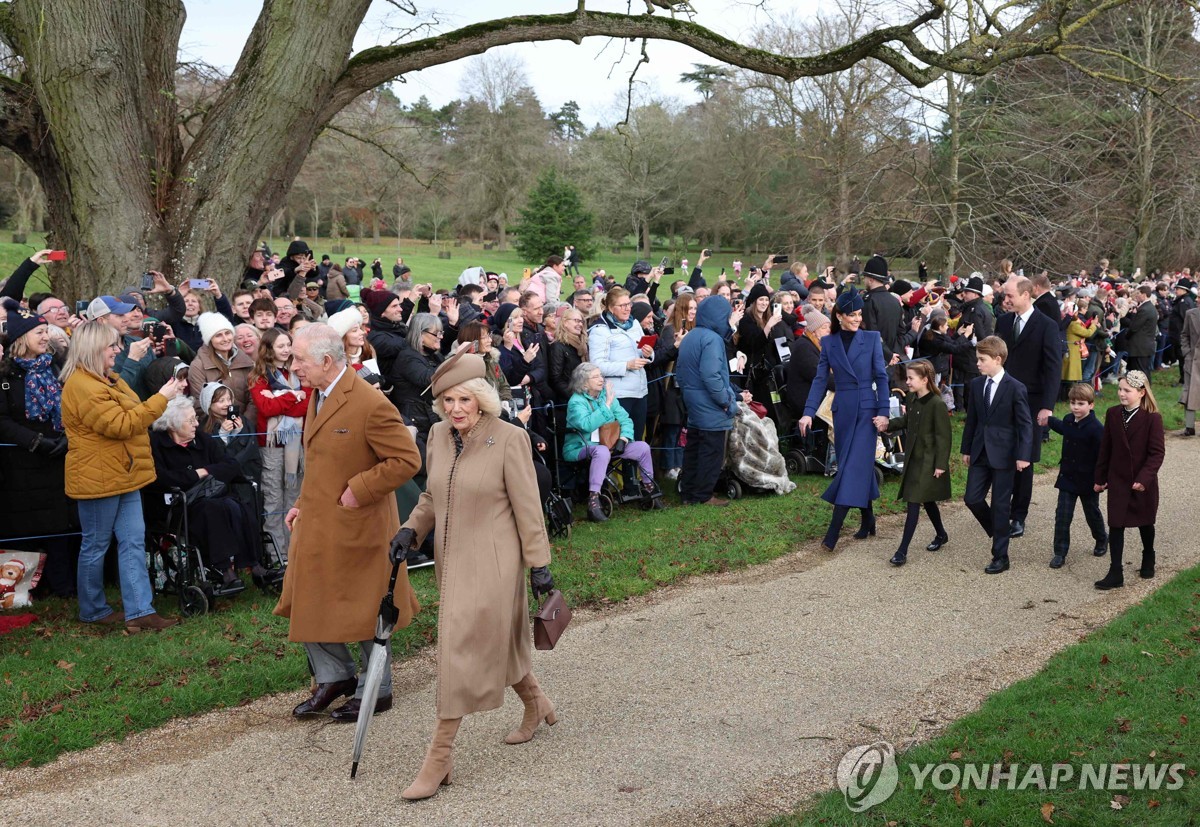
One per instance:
(176, 564)
(615, 491)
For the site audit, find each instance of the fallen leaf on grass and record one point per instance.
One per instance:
(1104, 660)
(1118, 802)
(1047, 811)
(958, 796)
(1183, 719)
(66, 667)
(1123, 725)
(1153, 803)
(954, 756)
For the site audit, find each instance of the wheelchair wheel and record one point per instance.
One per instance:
(879, 476)
(813, 465)
(796, 463)
(733, 489)
(606, 504)
(192, 601)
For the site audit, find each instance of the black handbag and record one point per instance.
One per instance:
(208, 488)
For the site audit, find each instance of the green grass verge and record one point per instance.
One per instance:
(1126, 695)
(69, 686)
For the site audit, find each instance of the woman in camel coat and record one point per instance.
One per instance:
(483, 506)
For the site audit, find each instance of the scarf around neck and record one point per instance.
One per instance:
(611, 320)
(43, 392)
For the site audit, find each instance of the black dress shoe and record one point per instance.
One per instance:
(898, 559)
(996, 566)
(1017, 528)
(326, 694)
(1056, 562)
(1100, 550)
(347, 713)
(937, 543)
(1112, 580)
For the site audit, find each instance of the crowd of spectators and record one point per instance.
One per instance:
(167, 384)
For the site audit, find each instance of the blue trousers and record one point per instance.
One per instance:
(100, 520)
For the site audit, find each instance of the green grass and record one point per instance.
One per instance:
(1126, 694)
(69, 686)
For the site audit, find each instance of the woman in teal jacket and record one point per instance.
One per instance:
(592, 404)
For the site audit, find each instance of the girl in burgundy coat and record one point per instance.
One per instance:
(1130, 455)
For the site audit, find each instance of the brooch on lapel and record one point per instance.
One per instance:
(489, 442)
(341, 430)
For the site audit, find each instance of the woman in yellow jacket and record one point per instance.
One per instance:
(1077, 332)
(108, 462)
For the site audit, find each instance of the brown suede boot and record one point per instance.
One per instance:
(537, 709)
(438, 761)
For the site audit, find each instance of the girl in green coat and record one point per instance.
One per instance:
(926, 479)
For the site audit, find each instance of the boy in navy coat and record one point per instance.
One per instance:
(1082, 434)
(997, 442)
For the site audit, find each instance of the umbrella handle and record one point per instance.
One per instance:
(392, 582)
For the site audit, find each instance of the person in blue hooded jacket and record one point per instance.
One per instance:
(702, 374)
(854, 357)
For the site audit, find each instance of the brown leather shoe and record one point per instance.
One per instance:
(111, 620)
(325, 694)
(152, 622)
(348, 712)
(716, 501)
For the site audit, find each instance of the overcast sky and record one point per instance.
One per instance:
(559, 71)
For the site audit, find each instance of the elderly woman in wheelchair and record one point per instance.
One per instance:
(224, 527)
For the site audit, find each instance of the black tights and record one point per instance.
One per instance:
(1116, 546)
(839, 517)
(910, 523)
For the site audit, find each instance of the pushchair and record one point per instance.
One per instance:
(753, 463)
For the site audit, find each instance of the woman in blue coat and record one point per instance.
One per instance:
(860, 411)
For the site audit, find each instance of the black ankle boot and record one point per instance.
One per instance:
(899, 558)
(1113, 580)
(1147, 569)
(595, 512)
(867, 527)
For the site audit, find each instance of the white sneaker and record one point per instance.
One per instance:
(673, 473)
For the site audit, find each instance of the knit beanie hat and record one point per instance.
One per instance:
(757, 292)
(20, 321)
(345, 320)
(208, 392)
(641, 310)
(378, 301)
(211, 324)
(814, 319)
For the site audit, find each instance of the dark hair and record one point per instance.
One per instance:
(469, 291)
(553, 261)
(264, 305)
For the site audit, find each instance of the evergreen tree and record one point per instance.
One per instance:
(552, 218)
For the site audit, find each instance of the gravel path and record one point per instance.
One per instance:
(721, 701)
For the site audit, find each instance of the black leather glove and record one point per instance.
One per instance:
(52, 446)
(404, 541)
(619, 446)
(540, 581)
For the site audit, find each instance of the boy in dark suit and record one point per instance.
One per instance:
(1082, 434)
(996, 444)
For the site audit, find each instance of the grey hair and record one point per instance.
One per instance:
(580, 376)
(418, 324)
(323, 341)
(173, 417)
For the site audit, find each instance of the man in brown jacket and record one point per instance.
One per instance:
(357, 452)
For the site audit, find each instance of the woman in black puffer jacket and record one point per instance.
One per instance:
(33, 502)
(412, 372)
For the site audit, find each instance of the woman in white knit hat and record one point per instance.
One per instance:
(349, 325)
(220, 360)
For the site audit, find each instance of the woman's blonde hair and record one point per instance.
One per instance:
(1139, 381)
(88, 349)
(484, 393)
(577, 341)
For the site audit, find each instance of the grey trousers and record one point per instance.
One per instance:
(332, 662)
(278, 496)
